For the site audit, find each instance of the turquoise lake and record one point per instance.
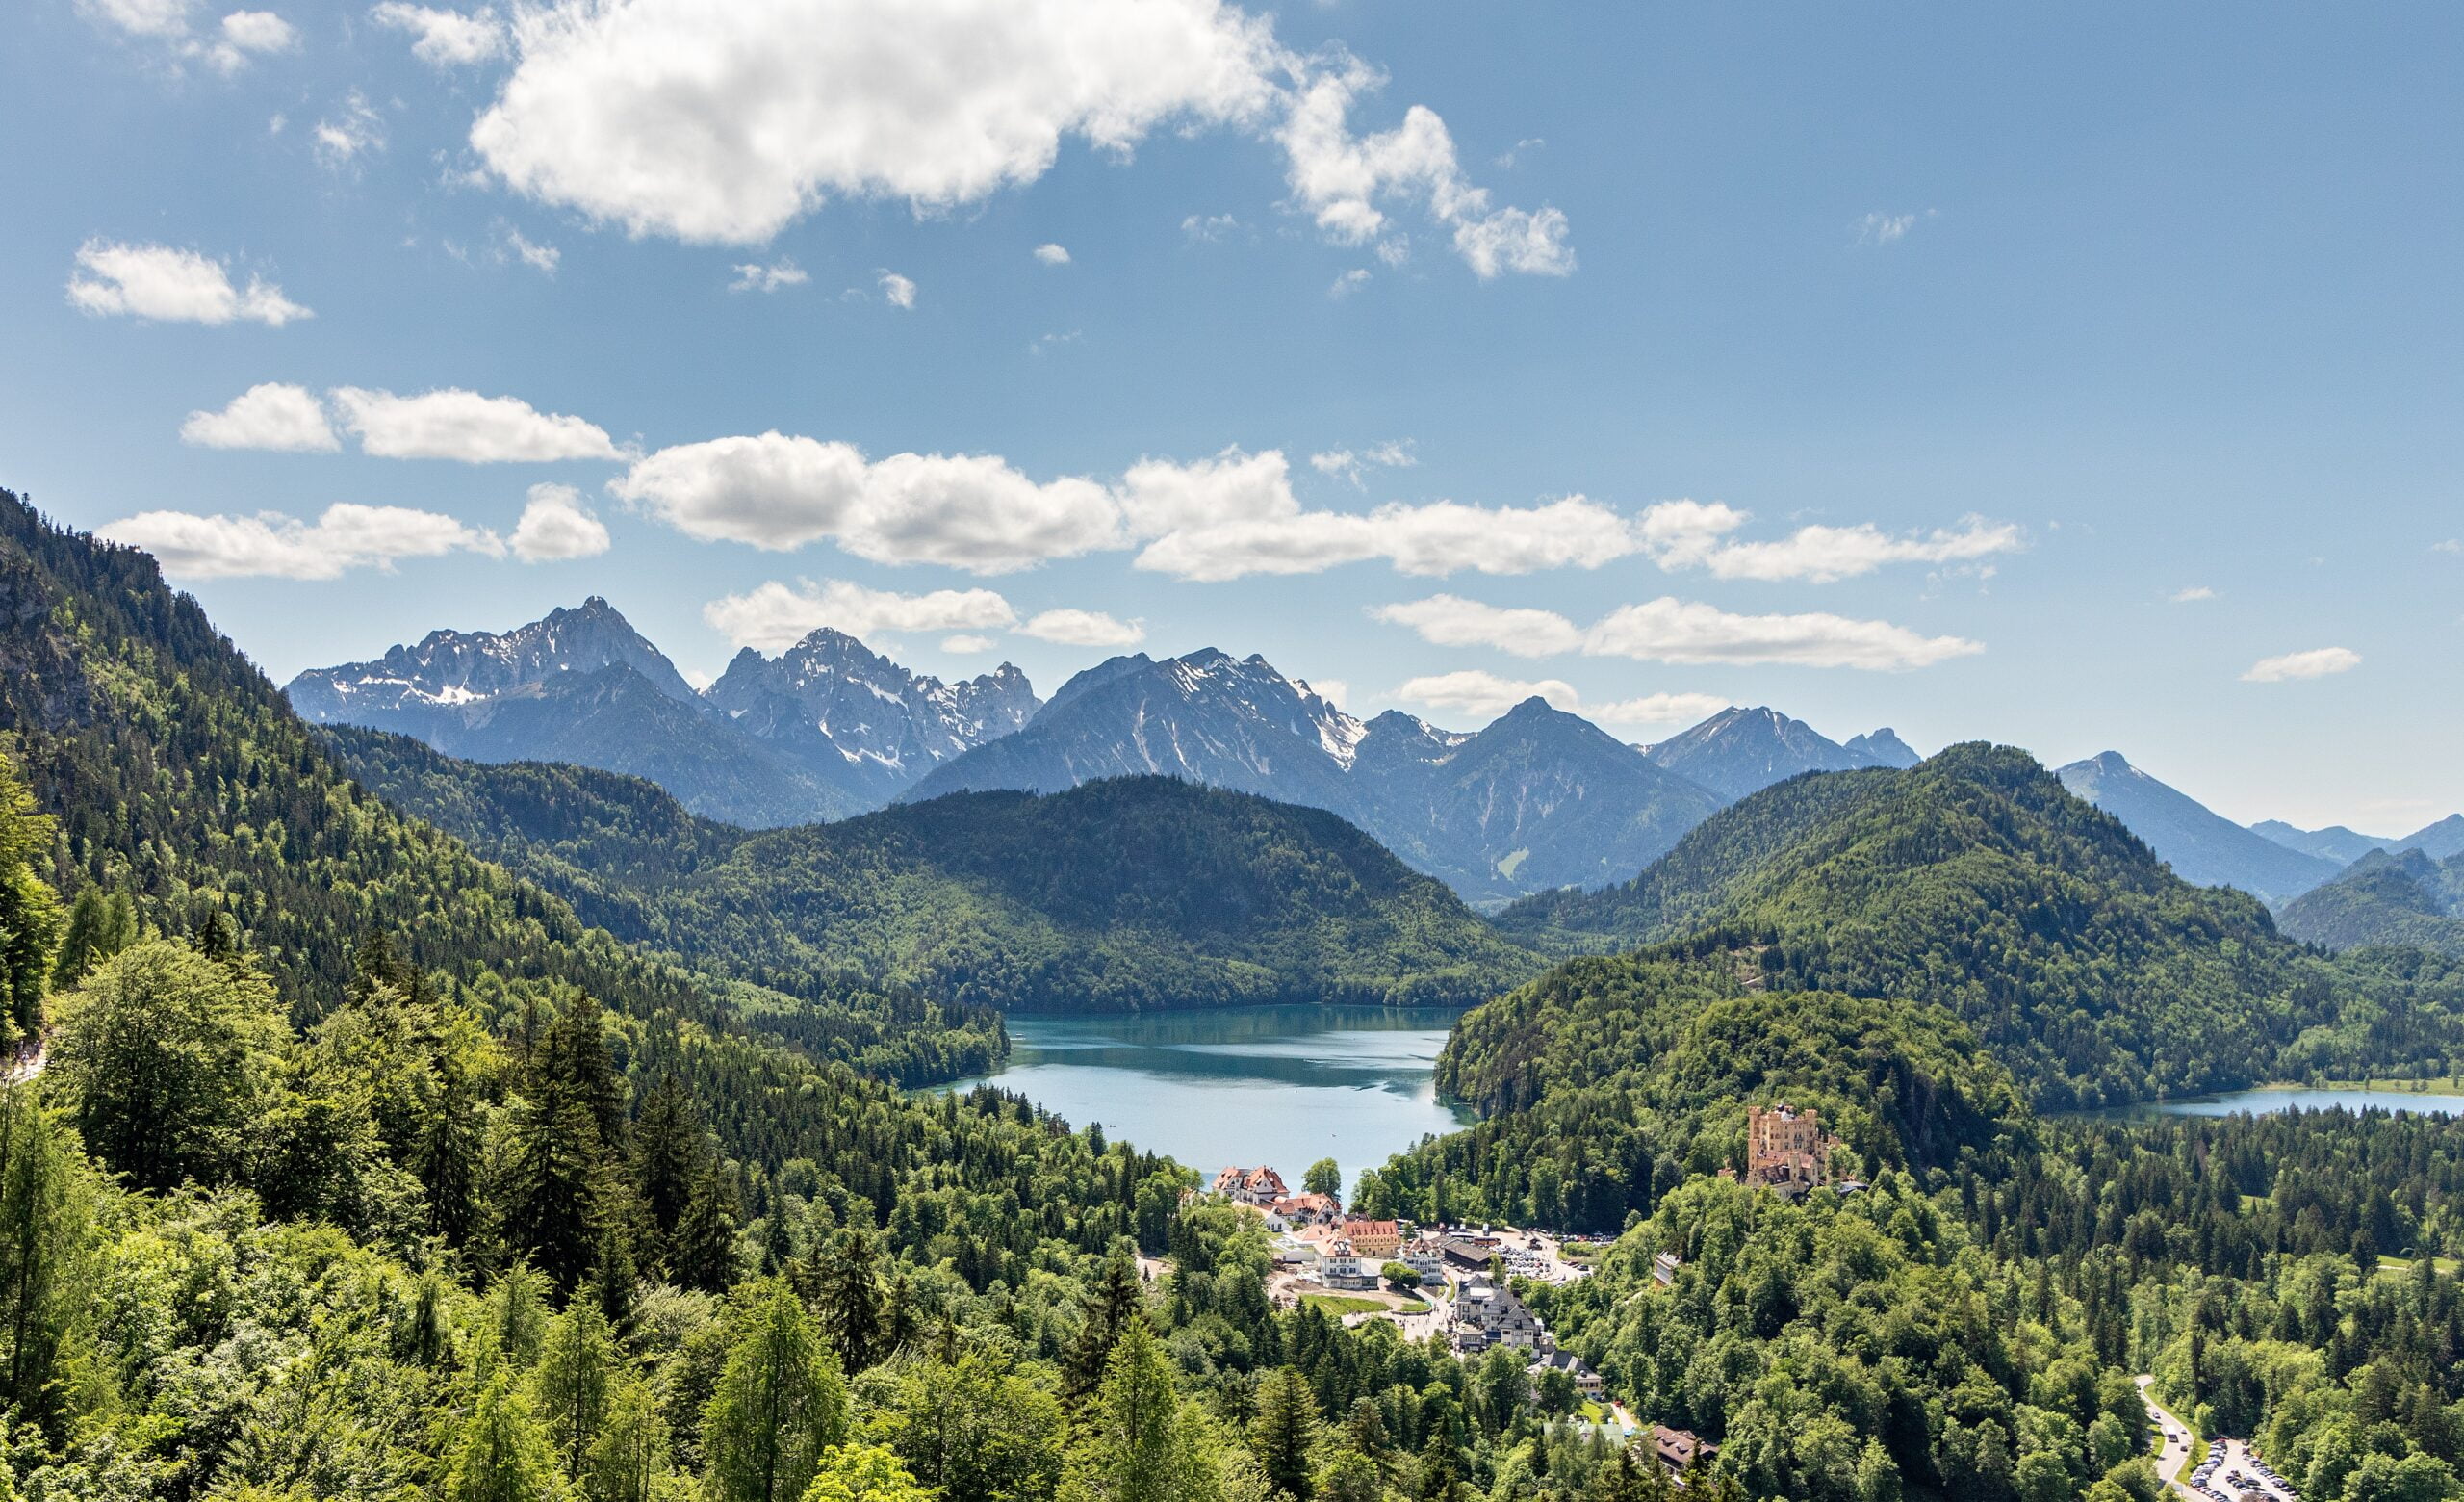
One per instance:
(2267, 1101)
(1281, 1085)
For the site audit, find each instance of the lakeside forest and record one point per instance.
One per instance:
(407, 1128)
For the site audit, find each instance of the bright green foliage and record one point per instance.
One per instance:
(1140, 1442)
(165, 1058)
(503, 1454)
(865, 1474)
(30, 923)
(974, 1431)
(574, 1388)
(1323, 1177)
(780, 1404)
(100, 924)
(44, 1247)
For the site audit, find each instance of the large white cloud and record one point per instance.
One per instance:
(724, 123)
(170, 285)
(557, 524)
(2318, 663)
(1669, 629)
(1683, 535)
(344, 537)
(453, 424)
(773, 616)
(270, 415)
(965, 511)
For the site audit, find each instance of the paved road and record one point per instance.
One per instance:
(2173, 1460)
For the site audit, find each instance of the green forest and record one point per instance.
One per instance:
(381, 1126)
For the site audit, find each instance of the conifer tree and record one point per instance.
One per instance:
(502, 1454)
(629, 1458)
(100, 924)
(779, 1403)
(571, 1387)
(43, 1239)
(850, 1299)
(1110, 1306)
(29, 909)
(1137, 1443)
(1285, 1430)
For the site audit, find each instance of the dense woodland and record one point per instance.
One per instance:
(1124, 895)
(360, 1165)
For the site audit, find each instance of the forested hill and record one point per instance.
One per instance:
(1134, 892)
(1976, 881)
(181, 779)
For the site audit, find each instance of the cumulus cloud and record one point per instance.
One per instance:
(1083, 629)
(2318, 663)
(352, 131)
(251, 34)
(1669, 629)
(241, 36)
(270, 544)
(899, 291)
(152, 18)
(967, 646)
(967, 511)
(774, 617)
(1825, 555)
(1052, 254)
(556, 525)
(2193, 594)
(270, 415)
(753, 277)
(170, 285)
(1485, 695)
(453, 424)
(443, 37)
(726, 124)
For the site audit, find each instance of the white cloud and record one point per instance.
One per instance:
(1083, 629)
(249, 34)
(1349, 282)
(967, 511)
(1451, 621)
(239, 37)
(270, 544)
(1667, 629)
(726, 124)
(1484, 696)
(557, 525)
(441, 37)
(453, 424)
(1341, 178)
(900, 292)
(2451, 545)
(154, 18)
(1354, 465)
(1334, 691)
(967, 646)
(753, 277)
(543, 258)
(284, 419)
(170, 285)
(2318, 663)
(2193, 594)
(1882, 229)
(1208, 228)
(1825, 555)
(353, 130)
(1052, 254)
(773, 616)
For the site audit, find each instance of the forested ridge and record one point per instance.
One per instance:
(1122, 894)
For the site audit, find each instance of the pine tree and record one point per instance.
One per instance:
(572, 1385)
(702, 1254)
(779, 1405)
(550, 1200)
(1108, 1308)
(502, 1454)
(1136, 1442)
(1285, 1430)
(43, 1239)
(100, 924)
(851, 1301)
(628, 1458)
(668, 1152)
(29, 909)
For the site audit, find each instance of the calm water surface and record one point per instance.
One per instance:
(1279, 1085)
(2267, 1101)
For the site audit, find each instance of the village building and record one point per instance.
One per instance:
(1586, 1381)
(1377, 1238)
(1425, 1256)
(1306, 1209)
(1257, 1186)
(1344, 1267)
(1488, 1315)
(1665, 1266)
(1787, 1149)
(1677, 1451)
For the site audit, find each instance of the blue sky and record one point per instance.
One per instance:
(1982, 372)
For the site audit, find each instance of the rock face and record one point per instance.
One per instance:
(2204, 848)
(827, 730)
(1539, 799)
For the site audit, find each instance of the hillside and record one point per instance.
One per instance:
(1122, 894)
(2401, 899)
(1976, 881)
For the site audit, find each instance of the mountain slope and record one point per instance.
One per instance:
(2202, 847)
(1976, 880)
(1882, 748)
(1121, 895)
(1739, 751)
(2443, 840)
(2388, 897)
(2335, 843)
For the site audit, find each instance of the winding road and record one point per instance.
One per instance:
(2173, 1458)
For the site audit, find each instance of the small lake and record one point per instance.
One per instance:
(1279, 1085)
(2267, 1100)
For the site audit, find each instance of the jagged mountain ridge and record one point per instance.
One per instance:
(827, 730)
(1741, 751)
(2205, 847)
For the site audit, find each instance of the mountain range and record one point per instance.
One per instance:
(2387, 897)
(2204, 848)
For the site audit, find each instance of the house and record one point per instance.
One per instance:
(1665, 1266)
(1677, 1451)
(1586, 1381)
(1425, 1256)
(1306, 1209)
(1344, 1267)
(1294, 1255)
(1498, 1316)
(1469, 1253)
(1377, 1238)
(1258, 1186)
(1787, 1149)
